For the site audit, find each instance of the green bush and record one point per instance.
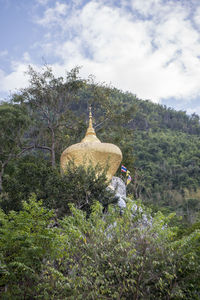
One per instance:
(78, 185)
(26, 243)
(118, 257)
(103, 256)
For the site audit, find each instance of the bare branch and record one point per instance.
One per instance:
(34, 147)
(101, 123)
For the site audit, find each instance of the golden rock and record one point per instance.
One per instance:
(91, 151)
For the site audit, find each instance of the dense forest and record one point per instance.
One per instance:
(63, 237)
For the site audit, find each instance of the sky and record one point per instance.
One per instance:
(150, 48)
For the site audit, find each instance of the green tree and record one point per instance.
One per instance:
(34, 175)
(104, 256)
(127, 257)
(49, 99)
(13, 123)
(27, 242)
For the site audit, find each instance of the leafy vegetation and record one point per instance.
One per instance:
(75, 243)
(77, 185)
(105, 256)
(13, 122)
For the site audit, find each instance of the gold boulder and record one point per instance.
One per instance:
(91, 151)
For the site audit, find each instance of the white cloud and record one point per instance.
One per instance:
(42, 2)
(197, 17)
(146, 8)
(53, 15)
(147, 47)
(26, 57)
(16, 79)
(154, 58)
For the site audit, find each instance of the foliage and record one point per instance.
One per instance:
(57, 107)
(105, 256)
(48, 99)
(95, 251)
(78, 185)
(167, 170)
(26, 244)
(160, 146)
(125, 257)
(14, 120)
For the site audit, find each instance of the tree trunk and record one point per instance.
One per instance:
(1, 180)
(3, 165)
(53, 159)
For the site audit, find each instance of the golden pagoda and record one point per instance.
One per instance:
(92, 151)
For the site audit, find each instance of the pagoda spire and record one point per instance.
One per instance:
(90, 133)
(91, 151)
(90, 129)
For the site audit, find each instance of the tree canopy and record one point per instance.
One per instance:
(75, 243)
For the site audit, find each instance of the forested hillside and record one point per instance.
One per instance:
(166, 146)
(55, 244)
(160, 146)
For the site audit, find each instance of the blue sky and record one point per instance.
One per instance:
(148, 47)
